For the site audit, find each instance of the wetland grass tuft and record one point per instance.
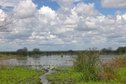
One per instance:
(87, 64)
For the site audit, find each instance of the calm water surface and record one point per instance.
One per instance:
(55, 60)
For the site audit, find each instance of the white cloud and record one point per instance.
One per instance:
(65, 3)
(85, 9)
(47, 12)
(2, 16)
(4, 21)
(9, 3)
(90, 24)
(77, 24)
(113, 3)
(124, 17)
(24, 9)
(2, 2)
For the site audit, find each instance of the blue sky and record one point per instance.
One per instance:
(49, 3)
(62, 24)
(98, 6)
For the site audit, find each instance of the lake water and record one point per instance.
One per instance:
(55, 60)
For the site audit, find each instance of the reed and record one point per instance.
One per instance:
(87, 63)
(109, 70)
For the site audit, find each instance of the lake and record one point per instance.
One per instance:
(56, 60)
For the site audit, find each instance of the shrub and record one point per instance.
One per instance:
(86, 63)
(119, 62)
(108, 70)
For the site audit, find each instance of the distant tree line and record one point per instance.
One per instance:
(23, 51)
(121, 50)
(107, 51)
(36, 52)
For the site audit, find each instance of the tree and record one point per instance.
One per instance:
(107, 50)
(121, 50)
(23, 51)
(36, 51)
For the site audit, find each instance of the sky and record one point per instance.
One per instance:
(62, 24)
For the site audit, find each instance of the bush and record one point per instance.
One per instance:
(87, 63)
(109, 70)
(119, 62)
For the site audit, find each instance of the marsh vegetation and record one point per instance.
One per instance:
(88, 69)
(71, 67)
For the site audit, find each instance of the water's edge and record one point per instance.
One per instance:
(43, 77)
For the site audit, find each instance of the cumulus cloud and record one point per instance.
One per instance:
(47, 12)
(9, 3)
(4, 21)
(2, 1)
(113, 3)
(65, 3)
(79, 25)
(2, 16)
(24, 9)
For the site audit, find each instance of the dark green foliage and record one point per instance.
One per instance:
(107, 51)
(121, 50)
(22, 52)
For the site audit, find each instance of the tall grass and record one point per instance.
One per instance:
(108, 71)
(87, 64)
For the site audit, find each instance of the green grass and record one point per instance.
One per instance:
(70, 76)
(92, 82)
(19, 75)
(121, 75)
(63, 75)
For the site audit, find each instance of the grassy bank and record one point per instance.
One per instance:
(4, 57)
(88, 69)
(69, 76)
(19, 75)
(63, 75)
